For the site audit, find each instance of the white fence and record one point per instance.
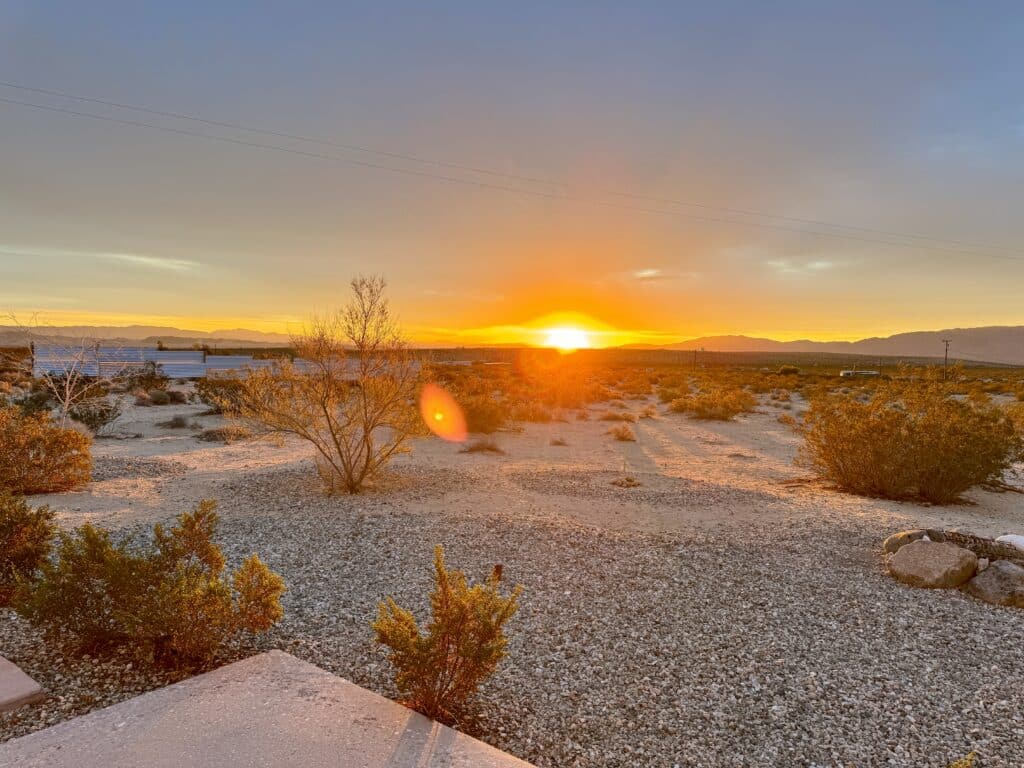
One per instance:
(111, 361)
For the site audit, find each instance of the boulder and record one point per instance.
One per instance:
(933, 564)
(897, 540)
(1002, 583)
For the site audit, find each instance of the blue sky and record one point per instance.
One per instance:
(903, 117)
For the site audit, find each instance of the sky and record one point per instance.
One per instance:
(514, 167)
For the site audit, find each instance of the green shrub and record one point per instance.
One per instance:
(37, 456)
(96, 413)
(439, 671)
(908, 439)
(159, 397)
(169, 599)
(222, 393)
(228, 434)
(149, 376)
(34, 402)
(26, 536)
(715, 403)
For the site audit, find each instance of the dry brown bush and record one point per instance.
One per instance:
(717, 404)
(483, 445)
(37, 456)
(909, 439)
(623, 433)
(617, 416)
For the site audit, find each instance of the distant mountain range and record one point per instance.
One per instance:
(150, 334)
(995, 344)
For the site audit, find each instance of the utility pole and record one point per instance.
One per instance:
(945, 359)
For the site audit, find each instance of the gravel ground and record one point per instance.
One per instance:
(124, 467)
(751, 645)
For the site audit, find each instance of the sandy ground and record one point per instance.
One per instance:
(693, 474)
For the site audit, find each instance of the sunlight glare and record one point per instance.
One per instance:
(442, 414)
(567, 339)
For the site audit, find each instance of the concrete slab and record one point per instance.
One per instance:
(17, 688)
(268, 711)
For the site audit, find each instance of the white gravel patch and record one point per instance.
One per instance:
(759, 644)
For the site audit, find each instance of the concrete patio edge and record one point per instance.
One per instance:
(268, 711)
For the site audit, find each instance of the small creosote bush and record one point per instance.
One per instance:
(623, 433)
(26, 536)
(715, 404)
(439, 671)
(169, 600)
(965, 762)
(37, 456)
(96, 413)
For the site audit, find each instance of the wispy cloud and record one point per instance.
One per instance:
(151, 262)
(789, 267)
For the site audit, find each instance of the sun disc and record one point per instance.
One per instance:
(567, 339)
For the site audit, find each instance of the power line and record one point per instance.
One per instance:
(502, 174)
(495, 186)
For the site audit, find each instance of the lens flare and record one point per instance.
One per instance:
(442, 414)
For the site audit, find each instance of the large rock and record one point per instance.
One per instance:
(894, 543)
(1014, 540)
(933, 564)
(1002, 583)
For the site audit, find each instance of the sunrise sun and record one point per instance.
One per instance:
(567, 339)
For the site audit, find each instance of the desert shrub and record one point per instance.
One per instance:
(617, 416)
(143, 400)
(26, 536)
(908, 440)
(147, 377)
(718, 404)
(648, 412)
(623, 433)
(228, 434)
(97, 414)
(33, 402)
(532, 412)
(354, 398)
(159, 397)
(558, 441)
(788, 370)
(177, 396)
(168, 599)
(37, 456)
(626, 482)
(483, 445)
(221, 393)
(438, 671)
(582, 416)
(484, 414)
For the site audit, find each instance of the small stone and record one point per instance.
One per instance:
(934, 565)
(898, 540)
(983, 563)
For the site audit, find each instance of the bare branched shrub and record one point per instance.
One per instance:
(908, 439)
(353, 397)
(169, 600)
(439, 671)
(38, 456)
(26, 536)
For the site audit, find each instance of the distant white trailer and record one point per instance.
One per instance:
(852, 374)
